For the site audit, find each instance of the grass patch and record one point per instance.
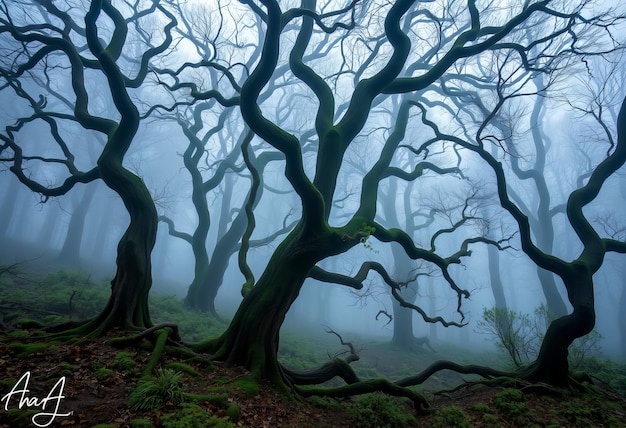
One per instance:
(155, 392)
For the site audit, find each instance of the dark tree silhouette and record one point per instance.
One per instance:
(54, 46)
(252, 337)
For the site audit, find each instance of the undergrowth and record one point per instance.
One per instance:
(379, 410)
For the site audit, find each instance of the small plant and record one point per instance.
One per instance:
(520, 335)
(103, 373)
(486, 413)
(513, 331)
(366, 231)
(378, 410)
(451, 417)
(155, 392)
(248, 386)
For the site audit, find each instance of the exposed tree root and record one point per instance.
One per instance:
(365, 387)
(134, 339)
(449, 365)
(161, 336)
(338, 367)
(355, 386)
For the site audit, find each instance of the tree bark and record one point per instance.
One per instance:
(128, 305)
(252, 338)
(552, 365)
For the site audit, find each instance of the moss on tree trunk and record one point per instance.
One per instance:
(252, 338)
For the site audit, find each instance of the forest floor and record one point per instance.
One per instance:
(100, 378)
(96, 391)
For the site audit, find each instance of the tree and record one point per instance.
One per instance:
(252, 337)
(345, 62)
(577, 275)
(53, 52)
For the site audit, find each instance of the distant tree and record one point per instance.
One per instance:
(540, 210)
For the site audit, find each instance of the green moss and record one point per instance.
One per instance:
(141, 423)
(248, 386)
(511, 405)
(124, 362)
(378, 410)
(67, 369)
(105, 426)
(20, 418)
(205, 363)
(491, 421)
(481, 408)
(7, 383)
(451, 417)
(103, 373)
(583, 411)
(24, 350)
(16, 334)
(219, 400)
(233, 412)
(189, 416)
(28, 324)
(183, 368)
(324, 402)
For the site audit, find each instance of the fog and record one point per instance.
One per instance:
(548, 125)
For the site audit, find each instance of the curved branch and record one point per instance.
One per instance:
(171, 228)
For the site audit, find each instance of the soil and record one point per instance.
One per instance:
(100, 397)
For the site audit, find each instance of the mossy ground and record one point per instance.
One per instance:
(222, 396)
(100, 379)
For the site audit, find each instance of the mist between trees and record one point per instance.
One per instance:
(389, 168)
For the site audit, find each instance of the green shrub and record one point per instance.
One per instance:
(155, 392)
(520, 335)
(611, 373)
(450, 417)
(378, 410)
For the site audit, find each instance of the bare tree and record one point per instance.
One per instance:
(67, 54)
